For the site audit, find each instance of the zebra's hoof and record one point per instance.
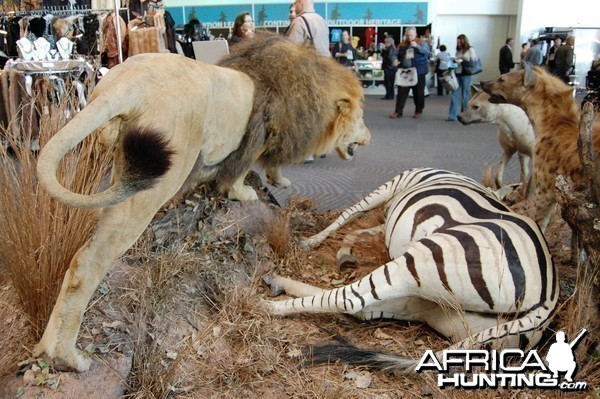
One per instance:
(276, 290)
(347, 262)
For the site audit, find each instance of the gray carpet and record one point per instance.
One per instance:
(397, 145)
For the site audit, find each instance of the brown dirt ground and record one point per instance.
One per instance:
(177, 316)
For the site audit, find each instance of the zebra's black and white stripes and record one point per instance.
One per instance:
(462, 262)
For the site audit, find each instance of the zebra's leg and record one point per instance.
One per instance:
(410, 308)
(372, 201)
(472, 330)
(344, 255)
(280, 285)
(372, 290)
(448, 320)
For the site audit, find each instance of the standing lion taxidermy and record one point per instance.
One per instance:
(173, 122)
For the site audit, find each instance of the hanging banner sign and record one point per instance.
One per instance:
(336, 14)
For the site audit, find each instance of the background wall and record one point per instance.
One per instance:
(486, 23)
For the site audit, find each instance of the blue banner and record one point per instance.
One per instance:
(336, 13)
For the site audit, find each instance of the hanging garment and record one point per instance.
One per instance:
(145, 40)
(110, 49)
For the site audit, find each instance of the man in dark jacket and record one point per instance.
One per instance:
(389, 57)
(505, 62)
(564, 60)
(412, 52)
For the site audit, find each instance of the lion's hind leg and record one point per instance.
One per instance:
(118, 228)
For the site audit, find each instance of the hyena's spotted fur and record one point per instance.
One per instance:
(555, 116)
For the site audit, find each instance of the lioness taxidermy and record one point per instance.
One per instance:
(173, 122)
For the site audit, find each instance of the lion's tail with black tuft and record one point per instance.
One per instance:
(349, 354)
(146, 156)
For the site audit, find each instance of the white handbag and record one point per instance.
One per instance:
(449, 81)
(406, 77)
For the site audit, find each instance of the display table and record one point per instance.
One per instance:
(369, 70)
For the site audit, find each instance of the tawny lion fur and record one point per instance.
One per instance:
(172, 122)
(555, 115)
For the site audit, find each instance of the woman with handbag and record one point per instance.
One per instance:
(413, 59)
(468, 63)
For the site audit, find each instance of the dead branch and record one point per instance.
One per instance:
(587, 152)
(579, 208)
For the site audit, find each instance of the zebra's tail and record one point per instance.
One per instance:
(350, 354)
(528, 327)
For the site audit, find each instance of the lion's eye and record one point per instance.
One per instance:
(476, 107)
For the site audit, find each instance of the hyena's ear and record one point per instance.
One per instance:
(529, 77)
(474, 90)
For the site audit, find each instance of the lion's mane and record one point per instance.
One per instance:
(295, 104)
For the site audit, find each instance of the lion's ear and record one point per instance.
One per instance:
(343, 106)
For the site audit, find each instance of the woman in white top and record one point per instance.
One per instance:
(464, 54)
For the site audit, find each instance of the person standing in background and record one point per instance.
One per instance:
(505, 61)
(343, 51)
(552, 53)
(442, 63)
(412, 52)
(389, 65)
(564, 59)
(243, 28)
(524, 48)
(309, 25)
(534, 55)
(465, 53)
(292, 16)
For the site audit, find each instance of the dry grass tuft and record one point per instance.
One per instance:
(16, 333)
(278, 234)
(156, 287)
(243, 352)
(39, 235)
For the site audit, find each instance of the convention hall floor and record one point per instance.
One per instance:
(397, 145)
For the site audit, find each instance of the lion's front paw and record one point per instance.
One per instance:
(244, 193)
(63, 359)
(281, 182)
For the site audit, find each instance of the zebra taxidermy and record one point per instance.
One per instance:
(462, 262)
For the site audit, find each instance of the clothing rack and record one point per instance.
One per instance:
(74, 10)
(59, 10)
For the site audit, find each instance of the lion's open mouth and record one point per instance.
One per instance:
(351, 148)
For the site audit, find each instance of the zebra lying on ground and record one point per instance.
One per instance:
(462, 262)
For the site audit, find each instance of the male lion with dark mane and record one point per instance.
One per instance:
(173, 122)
